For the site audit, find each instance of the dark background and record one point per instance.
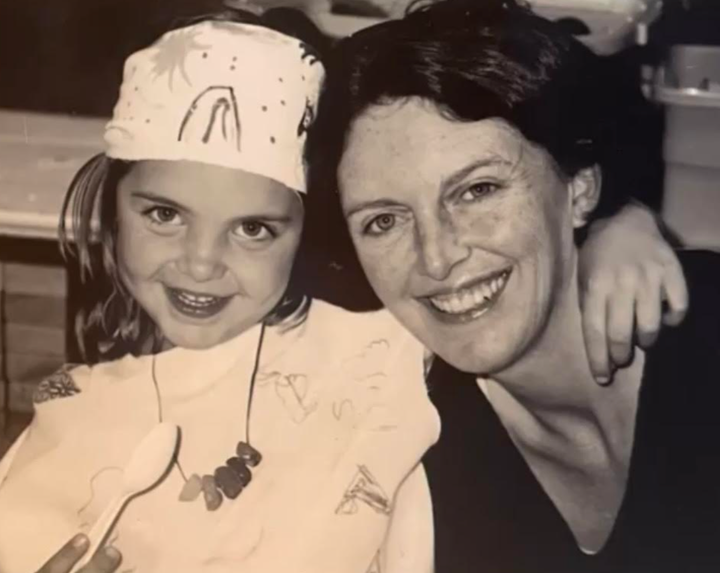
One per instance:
(67, 55)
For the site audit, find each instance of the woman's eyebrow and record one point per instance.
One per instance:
(458, 176)
(372, 204)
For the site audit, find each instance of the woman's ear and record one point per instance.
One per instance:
(585, 194)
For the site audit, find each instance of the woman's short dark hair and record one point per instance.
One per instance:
(110, 322)
(477, 59)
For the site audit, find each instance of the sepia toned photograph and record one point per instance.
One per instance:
(360, 286)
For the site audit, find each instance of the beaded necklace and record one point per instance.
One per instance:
(230, 479)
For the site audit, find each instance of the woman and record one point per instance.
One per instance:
(475, 142)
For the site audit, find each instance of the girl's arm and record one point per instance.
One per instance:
(627, 271)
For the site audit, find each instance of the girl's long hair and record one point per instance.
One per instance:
(110, 323)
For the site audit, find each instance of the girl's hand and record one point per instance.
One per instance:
(104, 561)
(626, 271)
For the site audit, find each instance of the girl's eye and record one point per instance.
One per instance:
(254, 230)
(478, 190)
(380, 224)
(164, 215)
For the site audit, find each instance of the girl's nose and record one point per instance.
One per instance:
(203, 257)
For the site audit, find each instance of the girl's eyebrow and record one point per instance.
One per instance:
(270, 217)
(158, 199)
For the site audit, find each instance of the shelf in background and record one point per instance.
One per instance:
(39, 155)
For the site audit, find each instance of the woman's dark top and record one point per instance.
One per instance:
(492, 515)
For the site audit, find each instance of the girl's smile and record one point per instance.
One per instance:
(207, 251)
(196, 305)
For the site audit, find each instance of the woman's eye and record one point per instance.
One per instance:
(253, 230)
(380, 224)
(164, 216)
(478, 190)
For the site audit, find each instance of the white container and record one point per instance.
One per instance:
(613, 24)
(689, 87)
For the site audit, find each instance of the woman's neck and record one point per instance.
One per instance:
(555, 370)
(550, 403)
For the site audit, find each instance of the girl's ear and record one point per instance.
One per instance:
(584, 190)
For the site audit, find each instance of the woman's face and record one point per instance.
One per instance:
(465, 230)
(206, 251)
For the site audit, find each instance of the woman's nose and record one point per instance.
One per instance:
(203, 257)
(439, 249)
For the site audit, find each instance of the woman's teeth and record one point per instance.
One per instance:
(477, 297)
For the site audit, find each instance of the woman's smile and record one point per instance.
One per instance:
(469, 301)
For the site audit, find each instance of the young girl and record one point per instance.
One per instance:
(299, 421)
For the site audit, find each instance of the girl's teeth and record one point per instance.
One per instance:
(196, 300)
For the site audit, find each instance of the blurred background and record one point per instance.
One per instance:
(61, 65)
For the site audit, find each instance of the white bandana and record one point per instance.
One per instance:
(223, 93)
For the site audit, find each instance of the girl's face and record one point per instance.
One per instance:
(205, 250)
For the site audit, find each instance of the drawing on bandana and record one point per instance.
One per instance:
(172, 56)
(57, 385)
(293, 391)
(307, 119)
(363, 488)
(309, 53)
(212, 115)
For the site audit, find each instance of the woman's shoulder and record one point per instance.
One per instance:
(702, 273)
(702, 267)
(683, 365)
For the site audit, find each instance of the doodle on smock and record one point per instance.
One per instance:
(293, 391)
(58, 385)
(366, 379)
(363, 488)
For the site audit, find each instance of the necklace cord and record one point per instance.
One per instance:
(251, 392)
